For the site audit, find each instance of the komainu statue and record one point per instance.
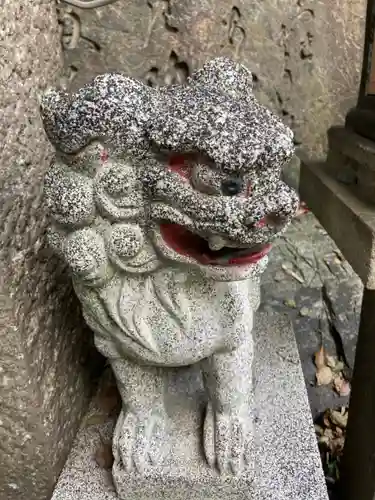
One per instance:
(164, 204)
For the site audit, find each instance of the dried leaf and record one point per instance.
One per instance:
(331, 361)
(326, 420)
(335, 364)
(338, 418)
(103, 456)
(324, 440)
(338, 431)
(319, 430)
(328, 433)
(305, 312)
(302, 209)
(339, 367)
(290, 303)
(331, 443)
(290, 272)
(342, 386)
(324, 376)
(337, 445)
(319, 358)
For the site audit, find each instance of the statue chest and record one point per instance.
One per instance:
(174, 318)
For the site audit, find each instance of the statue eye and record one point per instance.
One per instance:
(232, 186)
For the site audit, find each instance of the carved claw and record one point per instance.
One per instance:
(227, 442)
(139, 440)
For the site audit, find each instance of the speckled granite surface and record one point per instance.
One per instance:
(287, 461)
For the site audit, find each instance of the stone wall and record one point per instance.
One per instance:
(305, 54)
(44, 380)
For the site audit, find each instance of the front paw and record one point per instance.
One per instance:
(139, 439)
(227, 441)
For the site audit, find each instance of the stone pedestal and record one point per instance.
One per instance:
(44, 383)
(340, 192)
(287, 463)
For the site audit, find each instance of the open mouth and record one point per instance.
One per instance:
(184, 242)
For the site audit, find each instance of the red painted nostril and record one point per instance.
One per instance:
(261, 223)
(272, 220)
(103, 155)
(275, 220)
(176, 160)
(177, 164)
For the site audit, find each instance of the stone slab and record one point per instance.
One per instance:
(351, 160)
(349, 221)
(44, 348)
(352, 145)
(287, 462)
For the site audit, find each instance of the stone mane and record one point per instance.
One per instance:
(214, 113)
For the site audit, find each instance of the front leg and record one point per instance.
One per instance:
(139, 437)
(228, 429)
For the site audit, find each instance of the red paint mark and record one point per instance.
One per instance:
(261, 223)
(302, 209)
(103, 155)
(176, 160)
(177, 163)
(189, 244)
(249, 259)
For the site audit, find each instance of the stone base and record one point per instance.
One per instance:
(362, 120)
(351, 160)
(347, 219)
(287, 463)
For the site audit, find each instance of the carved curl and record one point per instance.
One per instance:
(215, 113)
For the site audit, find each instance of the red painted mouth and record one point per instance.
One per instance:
(186, 243)
(189, 244)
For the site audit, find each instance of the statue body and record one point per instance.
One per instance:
(164, 204)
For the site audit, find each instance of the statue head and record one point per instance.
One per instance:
(188, 175)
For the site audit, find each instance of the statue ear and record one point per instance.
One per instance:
(112, 107)
(227, 76)
(52, 105)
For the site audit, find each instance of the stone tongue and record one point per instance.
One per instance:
(216, 242)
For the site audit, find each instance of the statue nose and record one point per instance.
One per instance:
(272, 219)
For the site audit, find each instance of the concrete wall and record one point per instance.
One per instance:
(44, 375)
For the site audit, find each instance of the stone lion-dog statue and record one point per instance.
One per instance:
(164, 203)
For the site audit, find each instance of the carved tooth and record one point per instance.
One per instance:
(216, 243)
